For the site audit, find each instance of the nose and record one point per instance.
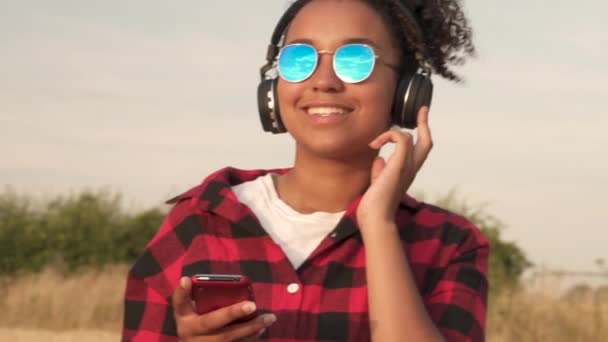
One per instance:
(324, 79)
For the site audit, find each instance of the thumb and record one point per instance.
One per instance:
(377, 167)
(182, 299)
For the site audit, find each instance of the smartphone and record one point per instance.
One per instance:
(214, 291)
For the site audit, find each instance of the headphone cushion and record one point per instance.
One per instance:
(412, 93)
(268, 107)
(263, 107)
(398, 100)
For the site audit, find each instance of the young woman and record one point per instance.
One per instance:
(334, 247)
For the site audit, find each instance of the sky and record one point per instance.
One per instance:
(148, 97)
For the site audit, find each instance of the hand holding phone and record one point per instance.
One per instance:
(217, 324)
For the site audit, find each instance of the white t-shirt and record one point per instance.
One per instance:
(297, 234)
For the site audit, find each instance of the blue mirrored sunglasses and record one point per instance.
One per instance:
(353, 63)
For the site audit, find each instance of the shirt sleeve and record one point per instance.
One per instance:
(148, 311)
(148, 316)
(458, 302)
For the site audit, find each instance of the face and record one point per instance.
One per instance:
(357, 112)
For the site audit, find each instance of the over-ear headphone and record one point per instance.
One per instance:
(414, 89)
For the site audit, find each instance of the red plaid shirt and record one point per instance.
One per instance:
(210, 231)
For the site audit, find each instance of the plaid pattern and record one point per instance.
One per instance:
(210, 231)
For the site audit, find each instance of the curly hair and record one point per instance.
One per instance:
(435, 36)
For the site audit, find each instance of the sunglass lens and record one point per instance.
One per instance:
(297, 62)
(354, 62)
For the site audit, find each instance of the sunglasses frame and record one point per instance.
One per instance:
(329, 52)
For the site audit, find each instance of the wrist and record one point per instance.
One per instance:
(380, 228)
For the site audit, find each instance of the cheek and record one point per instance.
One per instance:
(287, 92)
(378, 101)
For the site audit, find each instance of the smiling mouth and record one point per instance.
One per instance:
(325, 111)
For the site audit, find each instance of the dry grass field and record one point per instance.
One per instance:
(87, 307)
(30, 335)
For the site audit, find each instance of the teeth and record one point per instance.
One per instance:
(327, 111)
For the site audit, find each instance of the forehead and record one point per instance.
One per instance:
(328, 23)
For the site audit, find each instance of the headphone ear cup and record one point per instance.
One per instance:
(399, 99)
(263, 104)
(412, 93)
(268, 107)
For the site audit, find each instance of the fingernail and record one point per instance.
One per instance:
(183, 282)
(261, 332)
(269, 319)
(248, 307)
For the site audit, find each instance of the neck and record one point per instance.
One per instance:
(319, 184)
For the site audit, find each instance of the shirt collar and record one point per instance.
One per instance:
(215, 192)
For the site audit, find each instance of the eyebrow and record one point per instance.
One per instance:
(347, 41)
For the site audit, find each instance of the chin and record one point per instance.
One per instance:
(338, 149)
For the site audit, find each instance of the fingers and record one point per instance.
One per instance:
(425, 142)
(217, 322)
(392, 135)
(377, 167)
(409, 157)
(249, 330)
(403, 145)
(220, 318)
(182, 302)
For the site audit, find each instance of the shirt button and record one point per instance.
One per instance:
(293, 288)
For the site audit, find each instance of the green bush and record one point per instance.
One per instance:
(87, 229)
(138, 234)
(21, 240)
